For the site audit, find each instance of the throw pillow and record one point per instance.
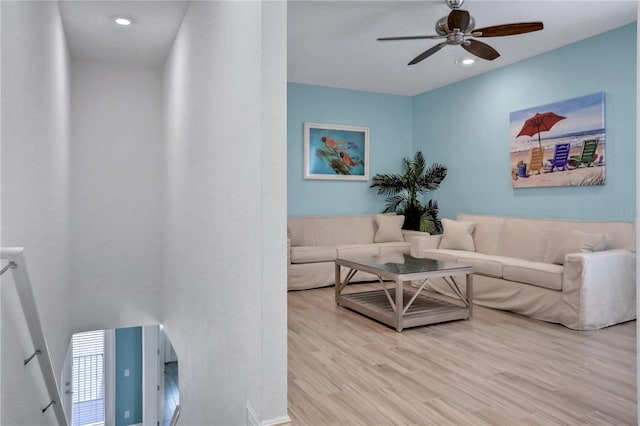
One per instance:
(457, 235)
(579, 242)
(389, 228)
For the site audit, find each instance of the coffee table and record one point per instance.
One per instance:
(408, 307)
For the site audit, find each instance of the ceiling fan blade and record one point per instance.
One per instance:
(508, 29)
(480, 49)
(458, 19)
(410, 37)
(424, 55)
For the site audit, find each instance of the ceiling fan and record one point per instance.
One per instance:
(458, 28)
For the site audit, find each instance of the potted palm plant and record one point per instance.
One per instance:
(403, 193)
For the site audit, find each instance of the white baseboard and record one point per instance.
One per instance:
(252, 419)
(278, 421)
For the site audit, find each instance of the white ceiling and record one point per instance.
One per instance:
(91, 32)
(333, 43)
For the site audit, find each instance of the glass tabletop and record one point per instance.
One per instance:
(400, 263)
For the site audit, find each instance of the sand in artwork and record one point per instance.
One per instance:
(572, 177)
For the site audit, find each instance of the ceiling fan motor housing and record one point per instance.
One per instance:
(442, 27)
(454, 4)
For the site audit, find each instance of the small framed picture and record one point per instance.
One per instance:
(334, 151)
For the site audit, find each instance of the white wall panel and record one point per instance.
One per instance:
(116, 165)
(226, 211)
(35, 196)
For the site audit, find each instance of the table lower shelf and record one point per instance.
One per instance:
(423, 311)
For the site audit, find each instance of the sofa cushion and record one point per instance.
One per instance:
(440, 254)
(457, 235)
(310, 254)
(524, 238)
(579, 242)
(386, 248)
(389, 228)
(483, 264)
(357, 250)
(539, 274)
(334, 231)
(391, 257)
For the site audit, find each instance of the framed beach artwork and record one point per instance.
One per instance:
(334, 151)
(559, 144)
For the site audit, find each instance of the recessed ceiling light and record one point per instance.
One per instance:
(465, 61)
(122, 20)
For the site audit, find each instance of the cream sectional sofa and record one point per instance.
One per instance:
(543, 268)
(314, 242)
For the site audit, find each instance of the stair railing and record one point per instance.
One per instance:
(17, 265)
(175, 416)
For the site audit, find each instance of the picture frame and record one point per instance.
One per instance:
(559, 144)
(336, 152)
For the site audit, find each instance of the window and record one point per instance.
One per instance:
(88, 378)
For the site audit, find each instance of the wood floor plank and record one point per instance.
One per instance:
(498, 368)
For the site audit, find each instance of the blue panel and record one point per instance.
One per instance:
(466, 127)
(128, 389)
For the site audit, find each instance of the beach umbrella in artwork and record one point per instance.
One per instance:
(541, 122)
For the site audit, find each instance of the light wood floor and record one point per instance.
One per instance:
(497, 369)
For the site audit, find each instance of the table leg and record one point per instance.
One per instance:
(470, 293)
(338, 282)
(399, 304)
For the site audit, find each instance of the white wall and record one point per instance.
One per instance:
(35, 196)
(274, 210)
(199, 222)
(116, 168)
(225, 229)
(638, 210)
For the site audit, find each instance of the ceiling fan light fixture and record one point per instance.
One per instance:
(465, 62)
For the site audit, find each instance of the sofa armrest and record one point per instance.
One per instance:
(288, 249)
(419, 243)
(599, 289)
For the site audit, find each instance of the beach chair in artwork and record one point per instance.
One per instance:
(587, 156)
(535, 160)
(560, 157)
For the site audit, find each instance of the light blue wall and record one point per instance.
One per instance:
(128, 389)
(389, 120)
(466, 127)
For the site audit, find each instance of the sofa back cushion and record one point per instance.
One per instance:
(331, 230)
(486, 234)
(537, 239)
(579, 242)
(620, 235)
(524, 238)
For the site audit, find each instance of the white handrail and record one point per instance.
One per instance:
(175, 416)
(25, 293)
